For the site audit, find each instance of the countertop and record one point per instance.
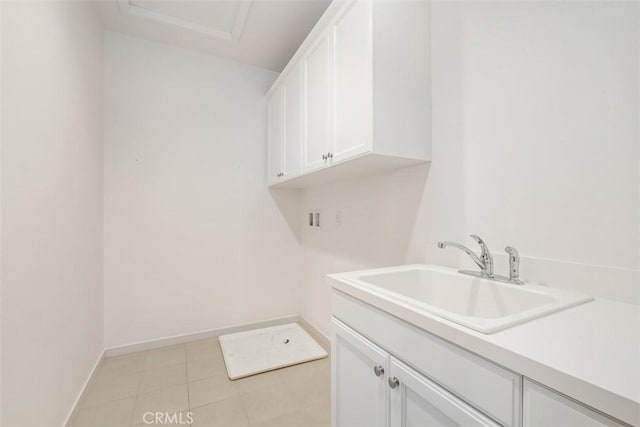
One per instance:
(590, 352)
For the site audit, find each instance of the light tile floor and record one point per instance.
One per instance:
(192, 378)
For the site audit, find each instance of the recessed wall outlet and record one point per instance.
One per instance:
(314, 219)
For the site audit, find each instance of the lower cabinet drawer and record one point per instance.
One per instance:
(484, 385)
(543, 407)
(417, 401)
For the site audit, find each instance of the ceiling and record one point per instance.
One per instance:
(264, 33)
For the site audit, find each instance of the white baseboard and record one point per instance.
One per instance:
(94, 371)
(318, 335)
(194, 336)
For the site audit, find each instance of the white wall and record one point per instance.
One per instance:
(0, 212)
(193, 239)
(51, 208)
(535, 145)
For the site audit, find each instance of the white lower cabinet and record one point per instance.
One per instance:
(359, 382)
(483, 385)
(387, 372)
(415, 401)
(371, 388)
(542, 407)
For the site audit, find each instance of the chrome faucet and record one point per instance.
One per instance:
(485, 262)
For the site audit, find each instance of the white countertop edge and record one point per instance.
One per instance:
(608, 401)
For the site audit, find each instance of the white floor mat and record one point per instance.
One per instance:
(260, 350)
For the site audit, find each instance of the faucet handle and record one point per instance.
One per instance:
(477, 238)
(483, 245)
(485, 255)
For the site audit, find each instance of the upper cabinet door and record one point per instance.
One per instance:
(418, 402)
(359, 380)
(352, 88)
(275, 123)
(316, 104)
(293, 124)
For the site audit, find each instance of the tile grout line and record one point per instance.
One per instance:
(243, 407)
(186, 372)
(238, 394)
(135, 401)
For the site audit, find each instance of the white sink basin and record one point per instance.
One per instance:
(480, 304)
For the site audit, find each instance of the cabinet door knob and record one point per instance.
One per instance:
(394, 382)
(329, 155)
(378, 370)
(324, 157)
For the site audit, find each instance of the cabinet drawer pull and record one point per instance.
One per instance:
(378, 370)
(394, 382)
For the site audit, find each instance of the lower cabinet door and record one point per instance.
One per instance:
(542, 407)
(359, 380)
(416, 401)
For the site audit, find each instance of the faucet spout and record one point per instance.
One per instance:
(466, 250)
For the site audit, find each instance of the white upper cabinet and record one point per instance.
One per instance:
(275, 129)
(365, 102)
(352, 87)
(293, 132)
(316, 104)
(285, 130)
